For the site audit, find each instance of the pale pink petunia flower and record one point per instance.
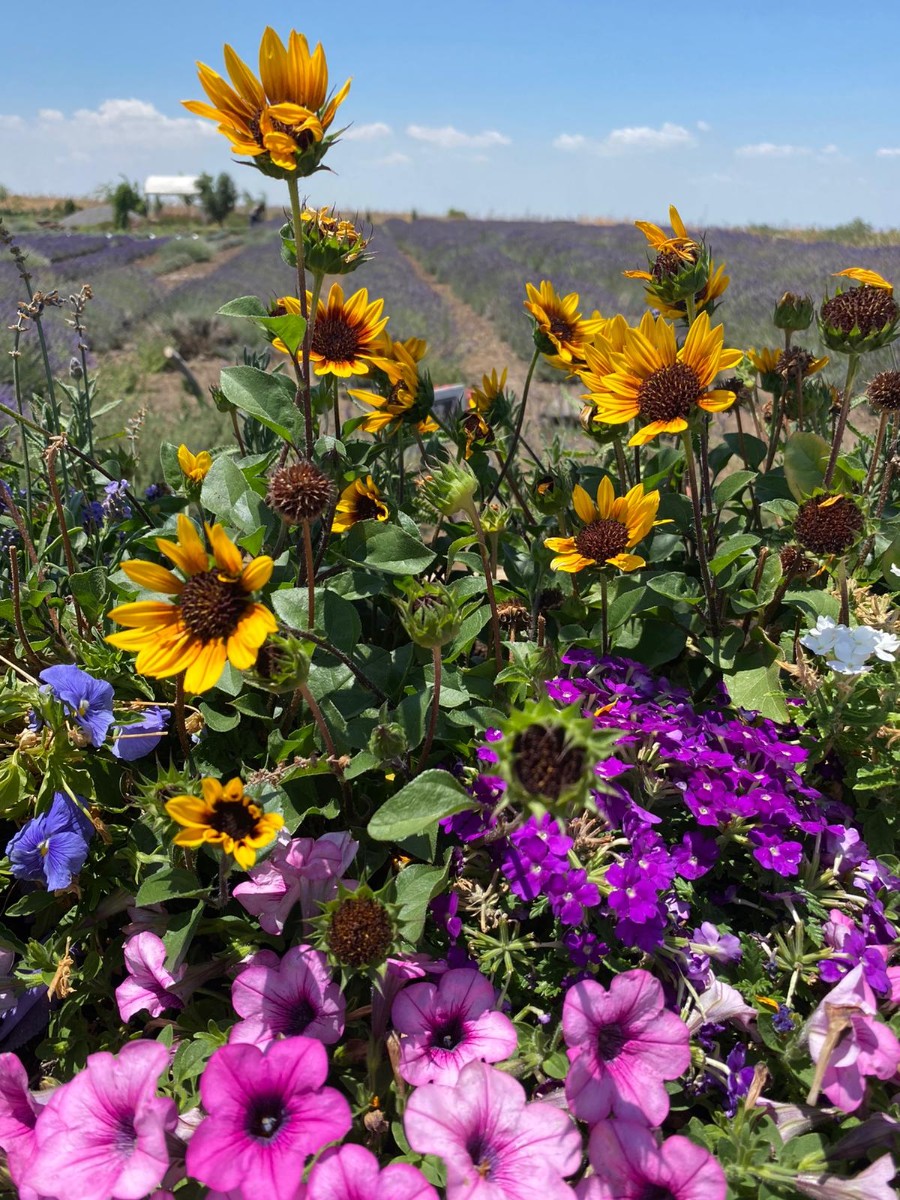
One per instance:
(874, 1183)
(448, 1024)
(289, 997)
(148, 986)
(629, 1164)
(103, 1134)
(846, 1034)
(304, 871)
(19, 1112)
(495, 1146)
(353, 1173)
(623, 1045)
(268, 1113)
(397, 974)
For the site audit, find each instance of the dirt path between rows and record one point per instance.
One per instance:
(196, 270)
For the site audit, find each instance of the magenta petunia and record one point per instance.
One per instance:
(304, 871)
(352, 1173)
(629, 1164)
(495, 1145)
(448, 1024)
(18, 1117)
(103, 1134)
(268, 1112)
(845, 1028)
(623, 1045)
(149, 985)
(289, 997)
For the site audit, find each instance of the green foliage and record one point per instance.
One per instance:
(218, 197)
(125, 199)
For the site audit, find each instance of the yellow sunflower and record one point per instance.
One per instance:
(492, 386)
(402, 404)
(361, 501)
(414, 348)
(866, 277)
(281, 114)
(612, 527)
(560, 329)
(211, 617)
(346, 333)
(194, 467)
(680, 243)
(676, 254)
(715, 286)
(598, 355)
(662, 385)
(770, 361)
(224, 817)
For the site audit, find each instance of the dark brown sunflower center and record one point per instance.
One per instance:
(602, 540)
(335, 340)
(560, 329)
(867, 308)
(884, 390)
(234, 818)
(300, 492)
(211, 606)
(828, 528)
(794, 364)
(670, 262)
(365, 508)
(302, 138)
(543, 763)
(361, 932)
(669, 392)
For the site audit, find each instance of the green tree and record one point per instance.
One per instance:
(125, 200)
(218, 196)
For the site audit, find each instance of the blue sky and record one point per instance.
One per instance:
(738, 111)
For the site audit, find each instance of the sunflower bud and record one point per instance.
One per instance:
(793, 312)
(884, 391)
(388, 741)
(219, 399)
(551, 493)
(494, 518)
(450, 488)
(675, 278)
(431, 614)
(358, 929)
(331, 246)
(282, 664)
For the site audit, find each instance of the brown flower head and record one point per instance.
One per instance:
(360, 932)
(544, 761)
(299, 492)
(884, 391)
(828, 524)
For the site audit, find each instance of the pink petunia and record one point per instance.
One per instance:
(629, 1164)
(289, 997)
(874, 1183)
(449, 1024)
(845, 1032)
(268, 1113)
(397, 974)
(352, 1173)
(623, 1044)
(304, 871)
(18, 1117)
(103, 1134)
(149, 985)
(495, 1145)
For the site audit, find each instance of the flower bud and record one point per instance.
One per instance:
(551, 493)
(431, 614)
(450, 488)
(282, 664)
(388, 741)
(793, 312)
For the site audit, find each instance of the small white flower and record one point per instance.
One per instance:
(850, 649)
(821, 637)
(887, 647)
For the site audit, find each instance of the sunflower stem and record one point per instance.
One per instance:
(310, 575)
(224, 871)
(876, 452)
(489, 584)
(774, 432)
(180, 725)
(517, 432)
(50, 458)
(604, 612)
(435, 709)
(698, 527)
(844, 617)
(304, 397)
(840, 427)
(621, 465)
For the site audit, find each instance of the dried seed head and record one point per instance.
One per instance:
(360, 932)
(884, 391)
(544, 764)
(795, 563)
(300, 492)
(794, 364)
(513, 615)
(868, 309)
(828, 524)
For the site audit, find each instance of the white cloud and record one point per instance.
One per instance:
(771, 150)
(394, 160)
(11, 122)
(629, 139)
(367, 133)
(449, 138)
(50, 114)
(704, 126)
(831, 148)
(888, 152)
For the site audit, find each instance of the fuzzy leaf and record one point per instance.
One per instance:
(429, 798)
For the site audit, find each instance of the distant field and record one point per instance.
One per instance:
(459, 283)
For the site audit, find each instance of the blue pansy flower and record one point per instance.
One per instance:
(53, 846)
(89, 701)
(142, 736)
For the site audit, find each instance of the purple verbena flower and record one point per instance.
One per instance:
(776, 854)
(570, 894)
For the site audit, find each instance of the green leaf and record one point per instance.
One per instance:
(179, 934)
(169, 883)
(429, 798)
(675, 586)
(290, 327)
(731, 550)
(228, 495)
(171, 468)
(805, 459)
(268, 398)
(754, 448)
(89, 589)
(385, 548)
(732, 486)
(755, 683)
(415, 887)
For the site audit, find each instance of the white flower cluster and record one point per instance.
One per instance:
(850, 649)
